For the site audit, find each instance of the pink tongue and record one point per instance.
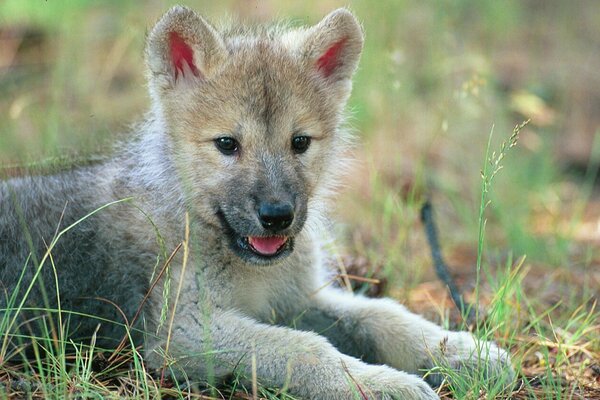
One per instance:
(267, 245)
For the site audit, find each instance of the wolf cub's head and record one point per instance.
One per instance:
(254, 118)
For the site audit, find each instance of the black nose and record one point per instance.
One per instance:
(275, 216)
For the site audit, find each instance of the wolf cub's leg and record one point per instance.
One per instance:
(302, 363)
(382, 331)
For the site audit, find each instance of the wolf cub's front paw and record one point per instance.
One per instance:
(385, 383)
(462, 352)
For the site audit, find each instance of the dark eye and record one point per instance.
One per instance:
(227, 145)
(300, 144)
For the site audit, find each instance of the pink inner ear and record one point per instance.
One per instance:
(181, 52)
(330, 60)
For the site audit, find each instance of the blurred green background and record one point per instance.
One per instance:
(436, 78)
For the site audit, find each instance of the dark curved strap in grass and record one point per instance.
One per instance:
(441, 268)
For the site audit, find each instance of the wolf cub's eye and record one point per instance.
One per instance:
(300, 144)
(227, 145)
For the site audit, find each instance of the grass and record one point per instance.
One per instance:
(433, 79)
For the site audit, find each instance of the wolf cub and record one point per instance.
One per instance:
(226, 183)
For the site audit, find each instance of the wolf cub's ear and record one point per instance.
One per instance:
(333, 46)
(182, 48)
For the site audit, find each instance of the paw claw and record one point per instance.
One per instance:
(483, 360)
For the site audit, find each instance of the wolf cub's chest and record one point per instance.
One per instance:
(257, 294)
(252, 297)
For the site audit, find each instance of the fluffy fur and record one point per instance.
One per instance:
(261, 87)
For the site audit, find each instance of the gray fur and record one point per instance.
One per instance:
(260, 89)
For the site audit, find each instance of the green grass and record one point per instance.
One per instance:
(434, 77)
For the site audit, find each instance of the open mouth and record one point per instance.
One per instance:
(265, 247)
(258, 249)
